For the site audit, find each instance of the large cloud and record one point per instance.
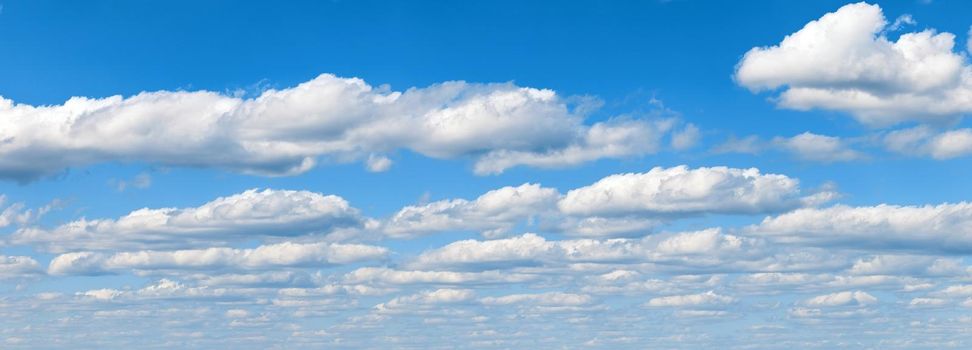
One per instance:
(844, 61)
(617, 205)
(282, 132)
(683, 191)
(708, 250)
(246, 215)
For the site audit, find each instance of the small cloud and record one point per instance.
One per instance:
(140, 181)
(686, 138)
(378, 163)
(901, 22)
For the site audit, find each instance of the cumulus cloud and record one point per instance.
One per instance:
(617, 205)
(162, 289)
(708, 250)
(285, 132)
(493, 213)
(18, 267)
(934, 228)
(262, 257)
(709, 298)
(615, 138)
(426, 299)
(912, 265)
(386, 276)
(924, 141)
(841, 299)
(845, 62)
(246, 215)
(683, 191)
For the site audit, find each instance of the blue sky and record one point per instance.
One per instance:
(632, 174)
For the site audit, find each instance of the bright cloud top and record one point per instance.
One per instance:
(844, 61)
(284, 132)
(247, 215)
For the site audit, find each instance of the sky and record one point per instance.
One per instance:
(487, 174)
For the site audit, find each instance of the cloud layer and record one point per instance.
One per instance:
(288, 131)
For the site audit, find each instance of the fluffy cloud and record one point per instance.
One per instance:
(683, 191)
(163, 289)
(924, 141)
(939, 228)
(541, 299)
(246, 215)
(262, 257)
(709, 298)
(688, 252)
(284, 132)
(843, 61)
(907, 265)
(426, 299)
(386, 276)
(493, 212)
(18, 266)
(841, 299)
(617, 205)
(616, 138)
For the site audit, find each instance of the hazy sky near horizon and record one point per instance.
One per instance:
(487, 174)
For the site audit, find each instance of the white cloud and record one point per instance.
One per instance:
(162, 289)
(686, 138)
(841, 299)
(18, 214)
(942, 228)
(386, 276)
(284, 132)
(494, 212)
(246, 215)
(615, 138)
(695, 251)
(18, 267)
(820, 148)
(266, 256)
(907, 265)
(902, 21)
(682, 191)
(237, 313)
(927, 302)
(425, 299)
(955, 291)
(378, 163)
(617, 205)
(541, 299)
(923, 141)
(526, 249)
(708, 298)
(844, 62)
